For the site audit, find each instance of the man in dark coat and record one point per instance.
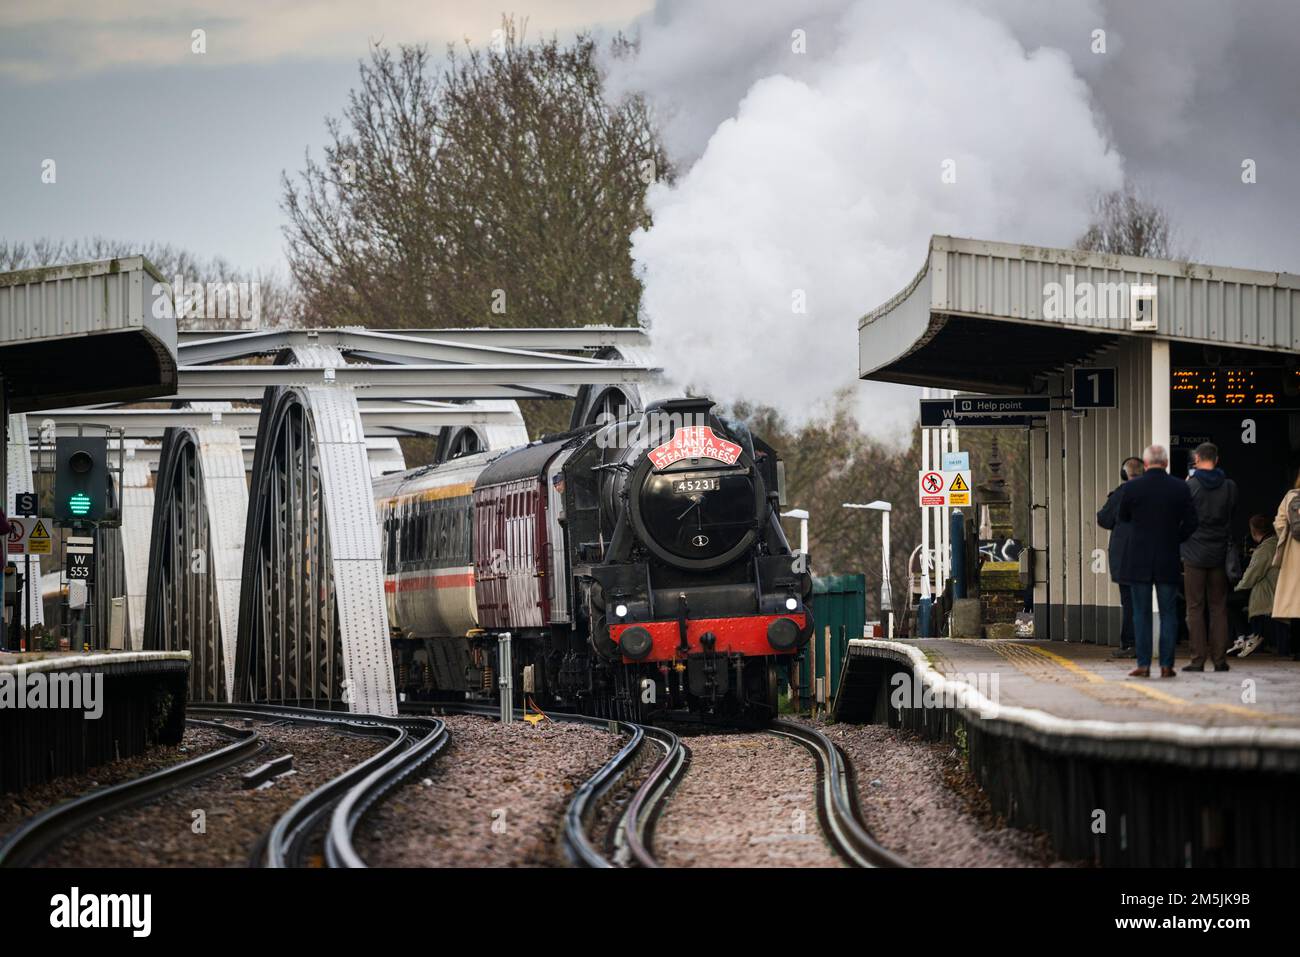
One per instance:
(1160, 511)
(1108, 518)
(1205, 578)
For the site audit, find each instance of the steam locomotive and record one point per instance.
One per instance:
(638, 566)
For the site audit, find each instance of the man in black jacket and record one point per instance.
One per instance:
(1160, 511)
(1108, 518)
(1205, 579)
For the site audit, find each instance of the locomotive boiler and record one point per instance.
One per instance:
(638, 565)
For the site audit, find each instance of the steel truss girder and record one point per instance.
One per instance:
(195, 563)
(596, 399)
(381, 419)
(137, 498)
(313, 624)
(363, 344)
(415, 380)
(200, 346)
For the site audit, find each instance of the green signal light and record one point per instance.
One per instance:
(79, 504)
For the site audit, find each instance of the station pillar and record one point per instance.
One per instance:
(1160, 385)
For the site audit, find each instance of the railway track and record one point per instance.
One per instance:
(628, 839)
(31, 840)
(328, 816)
(837, 799)
(325, 818)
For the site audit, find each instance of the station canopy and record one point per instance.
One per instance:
(86, 333)
(994, 317)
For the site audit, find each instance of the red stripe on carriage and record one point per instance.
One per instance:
(420, 582)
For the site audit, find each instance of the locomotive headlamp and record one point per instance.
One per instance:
(782, 634)
(620, 611)
(791, 604)
(635, 642)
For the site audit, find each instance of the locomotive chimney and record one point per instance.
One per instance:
(663, 418)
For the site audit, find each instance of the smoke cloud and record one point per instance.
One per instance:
(814, 201)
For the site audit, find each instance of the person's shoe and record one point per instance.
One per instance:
(1222, 667)
(1124, 653)
(1194, 666)
(1168, 672)
(1252, 642)
(1237, 645)
(1140, 673)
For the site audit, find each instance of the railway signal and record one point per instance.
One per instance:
(80, 478)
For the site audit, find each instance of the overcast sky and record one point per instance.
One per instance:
(155, 143)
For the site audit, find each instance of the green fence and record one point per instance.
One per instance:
(839, 603)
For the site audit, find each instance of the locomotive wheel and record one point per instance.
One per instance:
(762, 688)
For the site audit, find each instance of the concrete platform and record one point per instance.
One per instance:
(64, 712)
(71, 658)
(1082, 682)
(1198, 770)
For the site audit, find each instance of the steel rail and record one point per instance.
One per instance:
(286, 843)
(837, 799)
(55, 824)
(635, 833)
(376, 787)
(632, 833)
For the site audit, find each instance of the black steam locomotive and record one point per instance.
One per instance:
(638, 565)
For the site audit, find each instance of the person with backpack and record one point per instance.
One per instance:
(1260, 581)
(1206, 555)
(1286, 594)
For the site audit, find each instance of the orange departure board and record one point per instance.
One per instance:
(1234, 387)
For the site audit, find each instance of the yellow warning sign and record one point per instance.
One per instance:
(958, 485)
(958, 498)
(38, 542)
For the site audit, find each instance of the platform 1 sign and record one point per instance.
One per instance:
(937, 488)
(1094, 388)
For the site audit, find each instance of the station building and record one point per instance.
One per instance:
(1124, 352)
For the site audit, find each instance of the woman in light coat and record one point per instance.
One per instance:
(1286, 597)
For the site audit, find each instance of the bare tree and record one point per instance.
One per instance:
(499, 189)
(1125, 222)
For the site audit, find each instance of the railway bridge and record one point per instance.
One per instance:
(246, 535)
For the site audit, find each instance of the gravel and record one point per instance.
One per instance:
(747, 800)
(920, 801)
(16, 809)
(160, 834)
(494, 798)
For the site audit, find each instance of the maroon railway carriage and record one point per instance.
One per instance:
(638, 566)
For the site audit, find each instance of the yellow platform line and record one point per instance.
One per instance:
(1237, 709)
(1065, 663)
(1153, 693)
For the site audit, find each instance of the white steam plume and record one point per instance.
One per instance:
(822, 188)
